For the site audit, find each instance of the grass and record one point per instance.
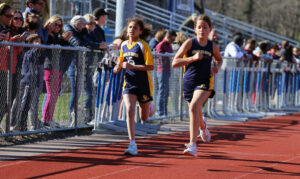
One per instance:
(61, 108)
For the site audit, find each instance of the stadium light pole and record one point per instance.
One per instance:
(125, 9)
(22, 5)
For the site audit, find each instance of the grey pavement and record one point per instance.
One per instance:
(105, 137)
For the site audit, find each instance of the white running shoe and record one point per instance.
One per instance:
(204, 133)
(190, 150)
(132, 150)
(92, 122)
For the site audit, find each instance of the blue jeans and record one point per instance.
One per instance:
(88, 84)
(162, 92)
(71, 75)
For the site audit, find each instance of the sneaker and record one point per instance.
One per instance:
(15, 129)
(190, 150)
(51, 124)
(2, 131)
(132, 150)
(37, 126)
(72, 119)
(204, 133)
(92, 122)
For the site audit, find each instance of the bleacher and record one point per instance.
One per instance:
(224, 25)
(162, 18)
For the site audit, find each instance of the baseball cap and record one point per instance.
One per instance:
(99, 12)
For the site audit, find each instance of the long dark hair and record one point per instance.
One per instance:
(13, 29)
(27, 22)
(145, 28)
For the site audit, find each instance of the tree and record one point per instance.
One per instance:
(278, 16)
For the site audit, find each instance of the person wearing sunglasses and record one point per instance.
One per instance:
(6, 15)
(90, 68)
(16, 30)
(16, 25)
(5, 18)
(53, 69)
(79, 38)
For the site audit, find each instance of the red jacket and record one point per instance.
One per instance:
(4, 57)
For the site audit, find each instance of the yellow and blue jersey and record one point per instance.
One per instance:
(139, 53)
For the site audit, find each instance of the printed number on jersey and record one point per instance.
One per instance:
(130, 60)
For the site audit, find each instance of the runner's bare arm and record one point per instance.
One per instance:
(218, 61)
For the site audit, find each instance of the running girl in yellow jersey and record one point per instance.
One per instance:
(136, 59)
(196, 54)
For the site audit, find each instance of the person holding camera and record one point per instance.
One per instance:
(53, 67)
(6, 16)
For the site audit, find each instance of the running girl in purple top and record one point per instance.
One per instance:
(196, 54)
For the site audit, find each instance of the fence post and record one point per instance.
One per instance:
(9, 88)
(52, 8)
(77, 86)
(181, 96)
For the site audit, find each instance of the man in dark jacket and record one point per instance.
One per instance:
(79, 38)
(98, 34)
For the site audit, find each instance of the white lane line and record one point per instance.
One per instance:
(133, 168)
(272, 165)
(257, 154)
(31, 160)
(15, 163)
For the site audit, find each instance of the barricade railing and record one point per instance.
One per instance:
(249, 89)
(244, 90)
(110, 113)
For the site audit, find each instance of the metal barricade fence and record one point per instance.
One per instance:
(265, 88)
(67, 98)
(169, 88)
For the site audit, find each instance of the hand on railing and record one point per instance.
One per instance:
(103, 45)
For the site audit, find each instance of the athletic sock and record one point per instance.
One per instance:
(132, 142)
(193, 145)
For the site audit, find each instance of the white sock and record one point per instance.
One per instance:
(193, 145)
(132, 142)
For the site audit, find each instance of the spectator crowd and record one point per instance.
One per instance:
(36, 70)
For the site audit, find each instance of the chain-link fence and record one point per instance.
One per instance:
(39, 86)
(46, 88)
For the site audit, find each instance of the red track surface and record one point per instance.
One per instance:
(268, 148)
